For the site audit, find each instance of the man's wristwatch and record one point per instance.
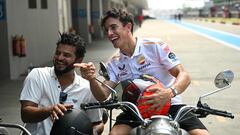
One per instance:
(174, 91)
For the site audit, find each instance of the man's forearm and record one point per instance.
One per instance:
(30, 114)
(182, 82)
(98, 91)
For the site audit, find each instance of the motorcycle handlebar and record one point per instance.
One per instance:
(106, 105)
(202, 111)
(216, 112)
(125, 106)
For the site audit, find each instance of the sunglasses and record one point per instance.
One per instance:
(62, 97)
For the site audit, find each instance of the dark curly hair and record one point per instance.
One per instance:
(124, 16)
(73, 40)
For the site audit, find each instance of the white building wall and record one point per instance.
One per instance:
(40, 29)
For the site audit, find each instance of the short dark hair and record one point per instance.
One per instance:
(73, 40)
(124, 16)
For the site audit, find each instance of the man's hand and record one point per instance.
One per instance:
(158, 98)
(88, 70)
(58, 110)
(31, 113)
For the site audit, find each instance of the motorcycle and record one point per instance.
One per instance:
(155, 125)
(164, 124)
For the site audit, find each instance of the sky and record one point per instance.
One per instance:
(174, 4)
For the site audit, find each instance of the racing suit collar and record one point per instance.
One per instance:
(136, 50)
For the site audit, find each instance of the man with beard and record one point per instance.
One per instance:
(48, 92)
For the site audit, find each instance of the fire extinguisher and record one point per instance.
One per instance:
(16, 46)
(19, 46)
(22, 47)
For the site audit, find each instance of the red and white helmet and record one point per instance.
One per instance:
(133, 90)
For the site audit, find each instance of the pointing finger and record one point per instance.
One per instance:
(80, 65)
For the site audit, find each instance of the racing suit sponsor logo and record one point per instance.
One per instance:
(122, 74)
(153, 43)
(144, 66)
(166, 49)
(122, 70)
(172, 56)
(160, 43)
(141, 60)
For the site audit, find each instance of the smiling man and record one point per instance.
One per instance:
(137, 57)
(50, 91)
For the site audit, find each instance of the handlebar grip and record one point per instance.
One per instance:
(107, 104)
(90, 105)
(205, 111)
(222, 113)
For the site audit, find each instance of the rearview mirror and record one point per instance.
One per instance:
(224, 78)
(103, 71)
(222, 81)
